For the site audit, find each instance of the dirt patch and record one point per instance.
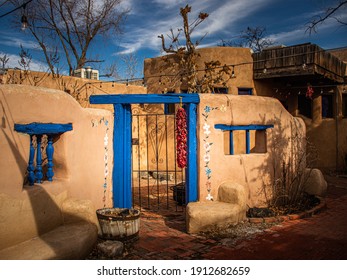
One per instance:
(229, 236)
(307, 203)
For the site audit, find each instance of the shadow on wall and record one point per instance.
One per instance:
(289, 154)
(5, 125)
(31, 211)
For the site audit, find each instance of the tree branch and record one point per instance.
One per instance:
(320, 19)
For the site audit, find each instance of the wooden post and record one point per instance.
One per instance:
(31, 168)
(50, 152)
(38, 174)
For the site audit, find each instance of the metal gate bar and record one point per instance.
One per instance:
(157, 185)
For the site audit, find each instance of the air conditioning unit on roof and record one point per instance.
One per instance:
(86, 73)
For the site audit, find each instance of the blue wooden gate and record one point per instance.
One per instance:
(122, 140)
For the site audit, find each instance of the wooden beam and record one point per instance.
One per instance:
(167, 98)
(243, 127)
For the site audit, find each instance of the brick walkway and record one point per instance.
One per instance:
(323, 236)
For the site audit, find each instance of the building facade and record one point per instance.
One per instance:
(307, 80)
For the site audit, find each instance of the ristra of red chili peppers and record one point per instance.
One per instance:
(309, 92)
(181, 137)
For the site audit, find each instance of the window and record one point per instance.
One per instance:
(223, 90)
(245, 91)
(244, 139)
(327, 106)
(344, 105)
(305, 106)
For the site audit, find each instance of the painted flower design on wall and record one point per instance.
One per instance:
(96, 123)
(223, 108)
(207, 146)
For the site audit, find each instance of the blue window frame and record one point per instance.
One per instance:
(220, 90)
(246, 128)
(245, 91)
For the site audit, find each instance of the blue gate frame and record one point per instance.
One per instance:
(122, 179)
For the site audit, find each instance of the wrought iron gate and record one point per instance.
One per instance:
(157, 182)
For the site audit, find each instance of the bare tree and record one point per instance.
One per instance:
(331, 12)
(4, 60)
(71, 26)
(185, 57)
(25, 59)
(187, 52)
(130, 62)
(253, 38)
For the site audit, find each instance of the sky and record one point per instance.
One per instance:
(285, 22)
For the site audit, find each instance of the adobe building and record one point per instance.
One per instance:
(310, 83)
(307, 80)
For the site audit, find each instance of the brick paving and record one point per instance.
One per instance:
(322, 236)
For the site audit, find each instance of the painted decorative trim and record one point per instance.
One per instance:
(208, 146)
(95, 123)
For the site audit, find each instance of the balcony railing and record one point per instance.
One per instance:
(305, 59)
(37, 130)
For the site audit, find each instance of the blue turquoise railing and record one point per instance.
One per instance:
(38, 130)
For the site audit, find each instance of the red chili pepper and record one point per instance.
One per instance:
(181, 137)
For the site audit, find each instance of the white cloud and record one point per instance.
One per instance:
(301, 33)
(167, 4)
(222, 16)
(16, 42)
(13, 62)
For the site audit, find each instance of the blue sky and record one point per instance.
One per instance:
(285, 22)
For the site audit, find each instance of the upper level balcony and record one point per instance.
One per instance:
(300, 60)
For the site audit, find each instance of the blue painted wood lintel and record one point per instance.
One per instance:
(167, 98)
(42, 128)
(243, 127)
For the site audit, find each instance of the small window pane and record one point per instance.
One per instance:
(245, 91)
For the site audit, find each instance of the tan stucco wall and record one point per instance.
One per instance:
(254, 171)
(79, 88)
(156, 67)
(79, 163)
(323, 136)
(321, 132)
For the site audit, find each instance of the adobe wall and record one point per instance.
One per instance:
(254, 171)
(158, 74)
(79, 88)
(79, 160)
(322, 133)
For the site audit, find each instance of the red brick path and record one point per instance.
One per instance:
(323, 236)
